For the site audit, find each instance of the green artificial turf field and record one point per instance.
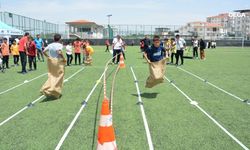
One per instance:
(173, 122)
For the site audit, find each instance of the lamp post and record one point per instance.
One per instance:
(110, 15)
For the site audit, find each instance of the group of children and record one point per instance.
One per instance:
(29, 48)
(79, 47)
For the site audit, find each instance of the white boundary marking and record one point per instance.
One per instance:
(33, 102)
(24, 82)
(194, 103)
(211, 84)
(150, 143)
(78, 114)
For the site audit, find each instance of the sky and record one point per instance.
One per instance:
(148, 12)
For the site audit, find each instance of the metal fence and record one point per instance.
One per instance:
(26, 24)
(138, 31)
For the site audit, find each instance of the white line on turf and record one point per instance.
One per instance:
(210, 117)
(26, 81)
(78, 114)
(33, 102)
(150, 143)
(211, 84)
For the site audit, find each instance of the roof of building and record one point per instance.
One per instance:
(223, 15)
(242, 10)
(80, 22)
(206, 24)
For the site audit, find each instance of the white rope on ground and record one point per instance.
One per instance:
(112, 89)
(59, 145)
(194, 103)
(33, 102)
(104, 78)
(150, 143)
(26, 81)
(211, 84)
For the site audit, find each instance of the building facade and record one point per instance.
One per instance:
(205, 30)
(85, 29)
(235, 24)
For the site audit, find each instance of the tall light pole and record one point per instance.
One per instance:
(109, 28)
(110, 15)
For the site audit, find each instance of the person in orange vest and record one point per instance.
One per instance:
(1, 62)
(77, 46)
(5, 53)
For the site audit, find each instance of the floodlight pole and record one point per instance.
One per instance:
(110, 15)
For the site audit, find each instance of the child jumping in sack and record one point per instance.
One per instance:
(56, 65)
(156, 58)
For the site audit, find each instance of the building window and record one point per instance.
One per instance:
(84, 29)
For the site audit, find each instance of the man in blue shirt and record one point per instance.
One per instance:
(39, 46)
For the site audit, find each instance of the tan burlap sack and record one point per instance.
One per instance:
(53, 86)
(88, 60)
(157, 72)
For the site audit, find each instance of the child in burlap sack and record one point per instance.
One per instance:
(156, 58)
(56, 65)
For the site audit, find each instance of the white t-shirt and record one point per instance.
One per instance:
(69, 49)
(195, 43)
(117, 44)
(180, 43)
(17, 40)
(53, 49)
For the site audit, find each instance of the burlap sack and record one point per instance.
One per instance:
(157, 72)
(53, 86)
(88, 60)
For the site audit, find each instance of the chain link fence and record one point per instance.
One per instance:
(26, 24)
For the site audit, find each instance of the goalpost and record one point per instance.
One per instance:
(241, 39)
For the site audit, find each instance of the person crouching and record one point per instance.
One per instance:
(89, 52)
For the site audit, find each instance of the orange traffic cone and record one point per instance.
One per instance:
(122, 64)
(106, 133)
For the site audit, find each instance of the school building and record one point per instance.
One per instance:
(85, 29)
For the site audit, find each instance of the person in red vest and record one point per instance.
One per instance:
(31, 52)
(22, 52)
(107, 45)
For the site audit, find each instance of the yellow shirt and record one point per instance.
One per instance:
(89, 50)
(167, 44)
(173, 47)
(14, 49)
